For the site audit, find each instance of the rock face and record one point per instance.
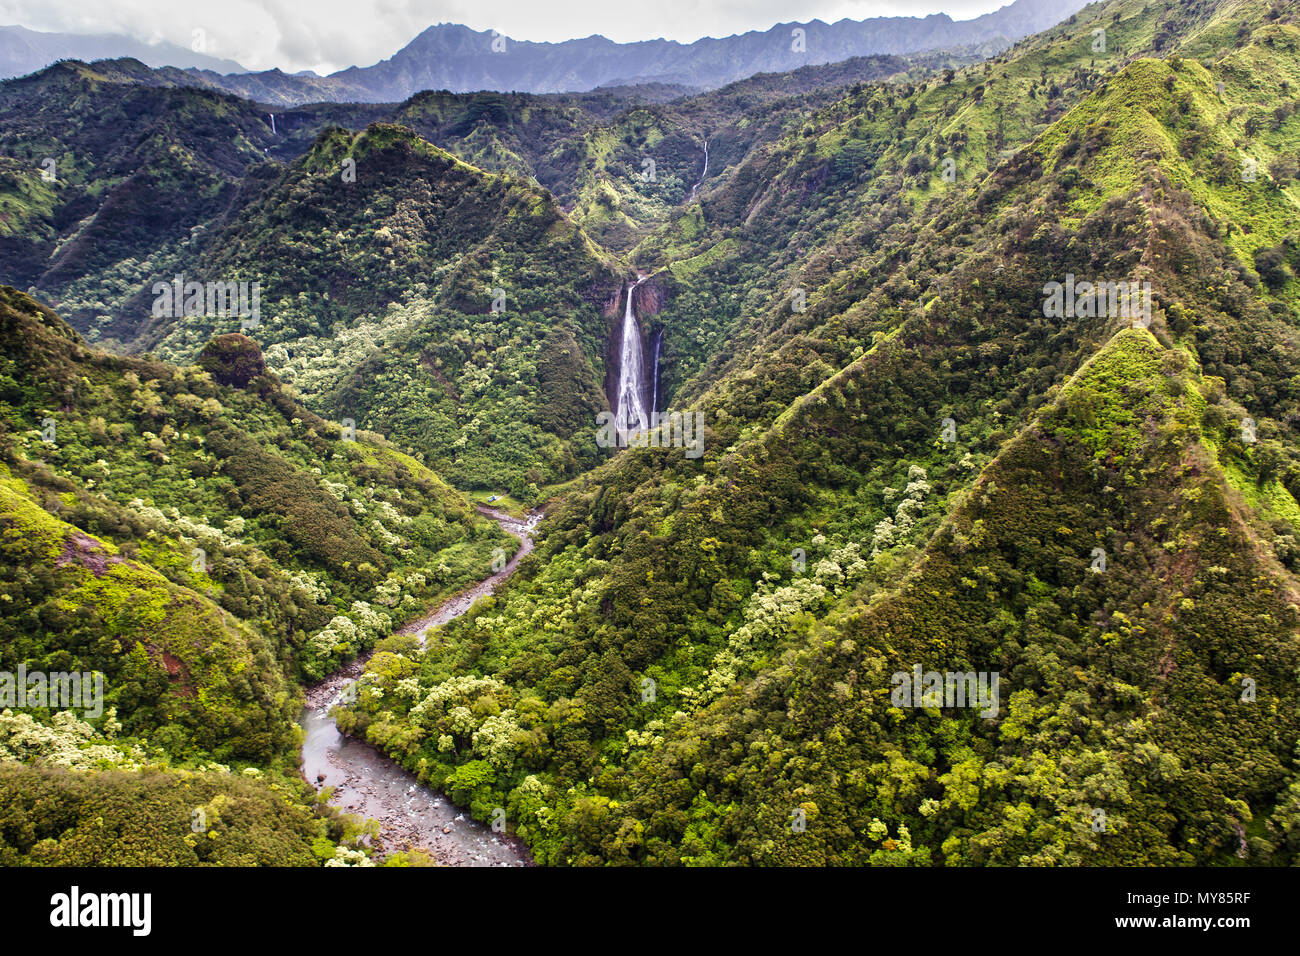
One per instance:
(651, 296)
(628, 341)
(232, 359)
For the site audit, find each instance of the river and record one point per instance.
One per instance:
(369, 784)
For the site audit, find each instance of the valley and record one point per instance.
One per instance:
(363, 782)
(579, 478)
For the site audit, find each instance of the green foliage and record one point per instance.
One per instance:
(56, 817)
(1123, 689)
(456, 311)
(193, 541)
(907, 462)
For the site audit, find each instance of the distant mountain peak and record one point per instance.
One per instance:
(453, 56)
(24, 51)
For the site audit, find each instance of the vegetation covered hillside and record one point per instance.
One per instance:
(107, 179)
(925, 467)
(222, 493)
(928, 448)
(776, 261)
(204, 543)
(458, 311)
(621, 172)
(112, 172)
(143, 167)
(399, 288)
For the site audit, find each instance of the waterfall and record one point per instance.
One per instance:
(658, 339)
(630, 415)
(703, 174)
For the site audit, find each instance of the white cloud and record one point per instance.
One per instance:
(327, 35)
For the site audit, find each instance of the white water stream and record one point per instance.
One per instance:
(367, 783)
(705, 172)
(630, 413)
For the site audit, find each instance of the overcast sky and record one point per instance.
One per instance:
(328, 35)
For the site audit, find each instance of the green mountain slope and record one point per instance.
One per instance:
(427, 300)
(912, 459)
(828, 213)
(916, 469)
(55, 817)
(108, 176)
(202, 543)
(200, 538)
(1122, 683)
(144, 163)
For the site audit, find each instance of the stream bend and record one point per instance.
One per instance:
(371, 785)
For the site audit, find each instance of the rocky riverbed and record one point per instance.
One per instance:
(369, 784)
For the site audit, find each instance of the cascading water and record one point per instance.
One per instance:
(658, 341)
(696, 188)
(630, 414)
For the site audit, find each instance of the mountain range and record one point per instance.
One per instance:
(24, 51)
(990, 555)
(458, 59)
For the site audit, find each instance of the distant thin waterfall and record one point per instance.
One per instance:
(630, 415)
(704, 173)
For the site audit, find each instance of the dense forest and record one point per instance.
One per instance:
(911, 462)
